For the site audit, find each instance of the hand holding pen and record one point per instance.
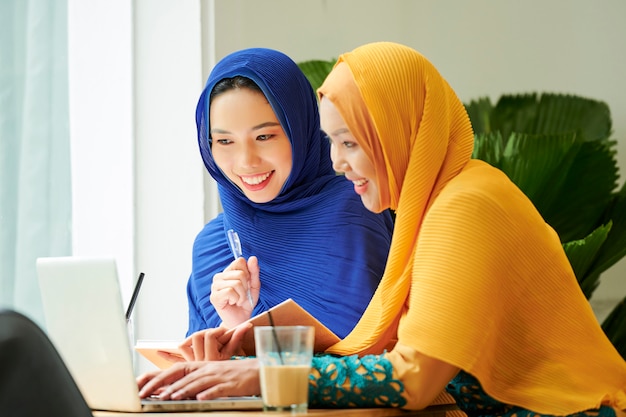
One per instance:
(235, 247)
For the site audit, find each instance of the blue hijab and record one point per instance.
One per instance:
(316, 242)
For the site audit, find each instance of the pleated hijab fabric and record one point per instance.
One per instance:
(475, 277)
(315, 241)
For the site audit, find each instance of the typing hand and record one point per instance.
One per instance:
(229, 291)
(202, 380)
(214, 344)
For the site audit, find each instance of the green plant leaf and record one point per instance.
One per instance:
(538, 164)
(489, 147)
(581, 202)
(582, 253)
(316, 71)
(479, 112)
(614, 249)
(515, 113)
(591, 119)
(548, 113)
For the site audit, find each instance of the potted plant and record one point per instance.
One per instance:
(558, 149)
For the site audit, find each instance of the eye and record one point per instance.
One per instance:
(223, 141)
(263, 138)
(349, 144)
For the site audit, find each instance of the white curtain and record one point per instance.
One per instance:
(35, 188)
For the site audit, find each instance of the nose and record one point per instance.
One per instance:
(249, 156)
(339, 162)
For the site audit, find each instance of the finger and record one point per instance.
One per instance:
(151, 382)
(240, 377)
(190, 389)
(242, 288)
(212, 347)
(186, 348)
(199, 378)
(218, 390)
(255, 278)
(237, 333)
(226, 278)
(143, 379)
(223, 298)
(237, 264)
(197, 345)
(229, 289)
(204, 344)
(232, 346)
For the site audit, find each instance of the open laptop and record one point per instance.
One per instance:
(86, 322)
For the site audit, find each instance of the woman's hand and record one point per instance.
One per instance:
(202, 380)
(229, 291)
(214, 344)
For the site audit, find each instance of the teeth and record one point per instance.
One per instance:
(256, 180)
(360, 182)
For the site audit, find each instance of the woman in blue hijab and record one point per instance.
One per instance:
(313, 239)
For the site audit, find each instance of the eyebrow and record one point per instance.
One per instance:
(266, 124)
(340, 131)
(257, 127)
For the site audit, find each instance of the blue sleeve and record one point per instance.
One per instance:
(196, 322)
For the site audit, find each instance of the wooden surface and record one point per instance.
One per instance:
(432, 411)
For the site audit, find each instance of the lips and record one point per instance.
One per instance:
(256, 182)
(358, 182)
(255, 179)
(360, 185)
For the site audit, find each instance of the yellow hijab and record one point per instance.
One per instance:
(474, 277)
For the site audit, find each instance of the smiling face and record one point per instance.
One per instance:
(348, 157)
(248, 143)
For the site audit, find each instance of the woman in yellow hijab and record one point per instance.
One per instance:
(478, 298)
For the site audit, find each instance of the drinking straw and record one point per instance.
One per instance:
(280, 351)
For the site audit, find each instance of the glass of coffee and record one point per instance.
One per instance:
(285, 354)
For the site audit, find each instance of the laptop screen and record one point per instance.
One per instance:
(85, 320)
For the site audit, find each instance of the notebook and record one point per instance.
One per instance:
(85, 321)
(287, 313)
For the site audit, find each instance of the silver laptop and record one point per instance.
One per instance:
(85, 320)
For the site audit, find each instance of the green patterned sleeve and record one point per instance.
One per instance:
(350, 381)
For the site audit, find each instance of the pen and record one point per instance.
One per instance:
(133, 298)
(235, 247)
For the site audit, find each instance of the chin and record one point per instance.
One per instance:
(372, 206)
(261, 199)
